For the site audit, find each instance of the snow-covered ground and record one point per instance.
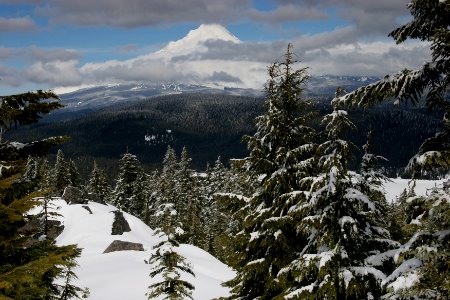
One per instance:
(124, 274)
(396, 186)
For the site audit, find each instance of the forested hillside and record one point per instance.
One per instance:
(211, 126)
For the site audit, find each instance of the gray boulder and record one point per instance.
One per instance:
(120, 224)
(117, 245)
(73, 195)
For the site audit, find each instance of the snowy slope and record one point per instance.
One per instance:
(124, 274)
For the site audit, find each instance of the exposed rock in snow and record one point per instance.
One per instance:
(117, 245)
(73, 195)
(123, 274)
(120, 224)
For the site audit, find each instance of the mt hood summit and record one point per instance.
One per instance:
(195, 40)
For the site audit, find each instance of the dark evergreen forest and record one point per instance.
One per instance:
(211, 126)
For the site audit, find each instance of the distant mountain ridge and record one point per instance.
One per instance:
(102, 96)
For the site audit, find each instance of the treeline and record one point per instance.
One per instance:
(195, 196)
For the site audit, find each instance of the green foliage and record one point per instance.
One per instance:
(24, 109)
(74, 175)
(212, 125)
(424, 260)
(98, 184)
(170, 265)
(60, 173)
(167, 264)
(124, 192)
(28, 267)
(342, 220)
(281, 155)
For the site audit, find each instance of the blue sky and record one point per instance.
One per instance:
(68, 44)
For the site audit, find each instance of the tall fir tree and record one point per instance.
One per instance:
(31, 169)
(188, 200)
(28, 268)
(423, 261)
(281, 153)
(215, 221)
(342, 220)
(152, 199)
(167, 266)
(60, 173)
(139, 198)
(98, 184)
(428, 85)
(74, 174)
(130, 171)
(165, 192)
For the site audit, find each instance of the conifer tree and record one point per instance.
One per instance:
(152, 199)
(130, 170)
(214, 220)
(28, 268)
(167, 265)
(74, 175)
(44, 173)
(31, 169)
(166, 192)
(138, 200)
(98, 184)
(343, 221)
(60, 173)
(422, 262)
(188, 200)
(281, 154)
(398, 216)
(425, 252)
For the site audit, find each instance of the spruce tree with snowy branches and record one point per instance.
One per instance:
(342, 220)
(281, 154)
(29, 268)
(188, 202)
(167, 265)
(130, 169)
(60, 173)
(98, 184)
(422, 262)
(425, 254)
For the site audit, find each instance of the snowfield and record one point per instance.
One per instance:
(396, 186)
(124, 274)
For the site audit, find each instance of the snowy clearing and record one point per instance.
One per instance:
(124, 274)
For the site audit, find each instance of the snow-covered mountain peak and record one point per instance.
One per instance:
(211, 32)
(194, 41)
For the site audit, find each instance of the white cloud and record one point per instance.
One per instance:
(57, 73)
(223, 60)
